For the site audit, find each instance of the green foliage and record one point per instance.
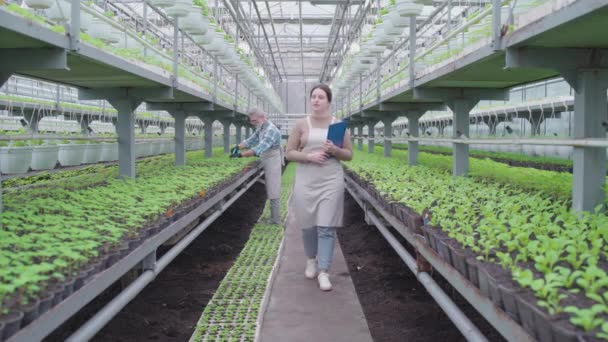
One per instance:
(54, 223)
(516, 217)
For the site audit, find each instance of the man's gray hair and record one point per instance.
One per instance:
(256, 111)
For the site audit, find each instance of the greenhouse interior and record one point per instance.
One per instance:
(320, 170)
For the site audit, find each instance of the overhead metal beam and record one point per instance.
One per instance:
(257, 11)
(336, 25)
(275, 36)
(301, 40)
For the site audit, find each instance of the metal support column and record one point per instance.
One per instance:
(461, 108)
(388, 134)
(460, 101)
(586, 71)
(126, 135)
(371, 143)
(180, 136)
(208, 122)
(590, 115)
(239, 128)
(412, 146)
(226, 126)
(360, 137)
(352, 136)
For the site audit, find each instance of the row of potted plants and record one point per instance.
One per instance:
(526, 250)
(57, 235)
(233, 311)
(22, 156)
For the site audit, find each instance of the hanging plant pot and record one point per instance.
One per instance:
(15, 159)
(397, 20)
(39, 4)
(61, 11)
(391, 30)
(44, 157)
(162, 3)
(409, 9)
(85, 21)
(71, 154)
(100, 29)
(180, 9)
(194, 23)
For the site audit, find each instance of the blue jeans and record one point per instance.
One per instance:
(319, 242)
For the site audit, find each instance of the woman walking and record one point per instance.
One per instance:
(318, 195)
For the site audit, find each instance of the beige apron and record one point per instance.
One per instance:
(272, 160)
(318, 195)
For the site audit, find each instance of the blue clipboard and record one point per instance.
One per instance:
(336, 133)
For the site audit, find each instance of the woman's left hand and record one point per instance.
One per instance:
(330, 148)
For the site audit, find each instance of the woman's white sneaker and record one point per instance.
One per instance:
(324, 283)
(311, 268)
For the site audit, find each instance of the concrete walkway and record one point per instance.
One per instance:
(298, 311)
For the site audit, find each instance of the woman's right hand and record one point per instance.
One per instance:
(316, 157)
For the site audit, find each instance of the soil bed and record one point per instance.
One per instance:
(396, 306)
(168, 308)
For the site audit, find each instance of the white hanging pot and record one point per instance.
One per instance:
(162, 3)
(397, 20)
(15, 159)
(100, 29)
(409, 9)
(39, 4)
(204, 39)
(61, 11)
(391, 30)
(117, 38)
(194, 23)
(85, 21)
(180, 9)
(44, 157)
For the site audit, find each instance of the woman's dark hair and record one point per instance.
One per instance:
(323, 87)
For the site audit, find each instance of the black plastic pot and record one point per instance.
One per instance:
(458, 257)
(534, 320)
(57, 294)
(564, 331)
(494, 275)
(46, 302)
(124, 250)
(30, 312)
(442, 241)
(1, 331)
(509, 292)
(12, 323)
(112, 258)
(68, 288)
(473, 270)
(83, 277)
